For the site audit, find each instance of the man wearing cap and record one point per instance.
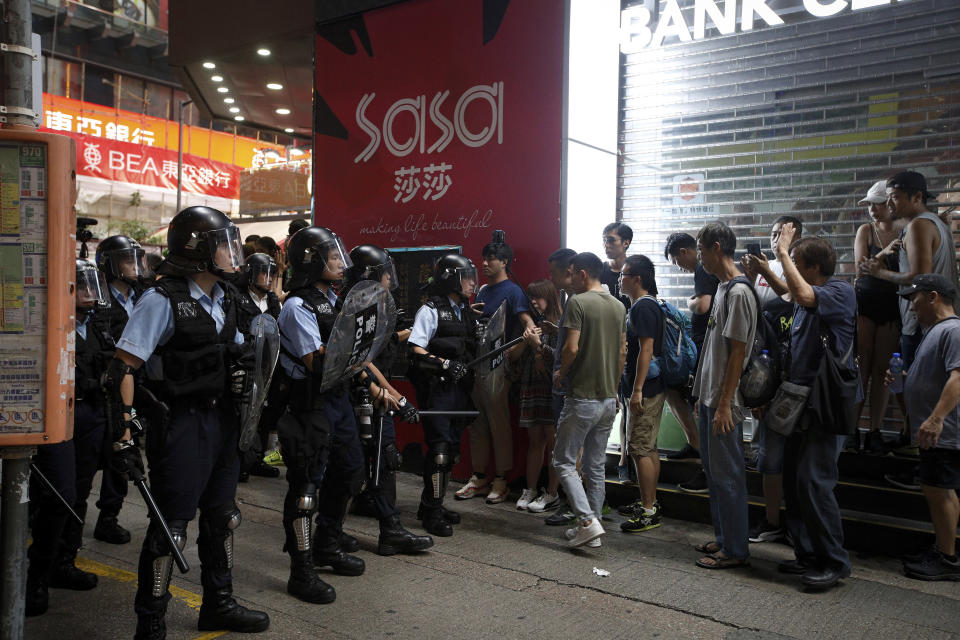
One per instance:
(932, 391)
(927, 248)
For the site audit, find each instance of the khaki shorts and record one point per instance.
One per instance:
(644, 427)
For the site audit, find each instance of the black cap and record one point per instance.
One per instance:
(909, 181)
(931, 282)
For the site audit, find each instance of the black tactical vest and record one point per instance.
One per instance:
(316, 301)
(196, 358)
(92, 355)
(247, 309)
(115, 315)
(454, 338)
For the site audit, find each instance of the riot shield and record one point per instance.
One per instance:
(361, 329)
(490, 372)
(265, 335)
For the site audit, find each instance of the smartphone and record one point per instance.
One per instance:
(753, 248)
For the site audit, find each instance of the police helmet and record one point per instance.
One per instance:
(91, 288)
(122, 258)
(260, 264)
(370, 262)
(310, 252)
(202, 239)
(450, 272)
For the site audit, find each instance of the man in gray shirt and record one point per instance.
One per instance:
(730, 334)
(932, 392)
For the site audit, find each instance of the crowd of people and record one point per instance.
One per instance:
(164, 362)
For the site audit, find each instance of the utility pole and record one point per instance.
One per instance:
(17, 64)
(183, 103)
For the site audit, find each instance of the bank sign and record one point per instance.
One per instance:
(641, 28)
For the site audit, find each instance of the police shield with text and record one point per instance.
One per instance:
(318, 433)
(256, 296)
(70, 466)
(122, 261)
(381, 456)
(443, 339)
(185, 330)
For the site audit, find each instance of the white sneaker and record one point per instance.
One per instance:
(528, 496)
(543, 502)
(584, 533)
(594, 544)
(499, 491)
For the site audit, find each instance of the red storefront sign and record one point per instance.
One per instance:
(152, 166)
(442, 125)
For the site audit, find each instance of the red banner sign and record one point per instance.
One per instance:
(442, 125)
(152, 166)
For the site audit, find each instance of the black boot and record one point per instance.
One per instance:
(435, 523)
(66, 575)
(395, 539)
(304, 582)
(327, 552)
(109, 530)
(220, 611)
(348, 543)
(151, 627)
(450, 517)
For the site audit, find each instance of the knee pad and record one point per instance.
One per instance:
(306, 498)
(440, 453)
(156, 545)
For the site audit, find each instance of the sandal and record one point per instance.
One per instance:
(710, 547)
(714, 561)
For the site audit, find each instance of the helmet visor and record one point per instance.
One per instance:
(332, 257)
(130, 264)
(467, 278)
(388, 275)
(263, 275)
(226, 250)
(91, 288)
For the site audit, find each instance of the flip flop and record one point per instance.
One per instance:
(722, 563)
(710, 547)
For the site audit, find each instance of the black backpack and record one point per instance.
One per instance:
(766, 339)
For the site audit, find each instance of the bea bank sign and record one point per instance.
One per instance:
(728, 16)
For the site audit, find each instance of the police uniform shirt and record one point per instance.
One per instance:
(260, 301)
(151, 322)
(426, 321)
(299, 333)
(127, 302)
(82, 324)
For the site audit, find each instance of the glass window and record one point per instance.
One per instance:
(158, 98)
(61, 78)
(100, 86)
(132, 94)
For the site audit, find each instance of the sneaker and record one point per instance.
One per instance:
(528, 496)
(274, 458)
(499, 492)
(584, 533)
(683, 454)
(874, 444)
(570, 534)
(933, 566)
(561, 517)
(643, 522)
(543, 502)
(472, 488)
(696, 484)
(594, 544)
(632, 509)
(766, 532)
(907, 481)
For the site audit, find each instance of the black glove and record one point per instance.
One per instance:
(238, 382)
(126, 459)
(408, 412)
(455, 369)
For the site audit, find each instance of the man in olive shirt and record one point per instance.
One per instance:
(591, 361)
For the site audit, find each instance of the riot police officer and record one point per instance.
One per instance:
(443, 338)
(256, 296)
(70, 466)
(185, 329)
(123, 263)
(318, 433)
(373, 263)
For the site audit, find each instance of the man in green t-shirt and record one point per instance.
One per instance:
(591, 362)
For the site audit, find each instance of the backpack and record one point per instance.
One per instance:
(765, 339)
(677, 361)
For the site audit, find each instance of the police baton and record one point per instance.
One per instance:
(379, 452)
(493, 353)
(49, 485)
(454, 414)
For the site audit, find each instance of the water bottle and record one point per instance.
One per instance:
(758, 376)
(896, 369)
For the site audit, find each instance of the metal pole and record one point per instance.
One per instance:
(13, 539)
(183, 103)
(17, 63)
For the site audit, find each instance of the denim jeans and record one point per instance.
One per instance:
(722, 456)
(584, 423)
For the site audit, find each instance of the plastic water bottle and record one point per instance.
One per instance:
(896, 369)
(759, 375)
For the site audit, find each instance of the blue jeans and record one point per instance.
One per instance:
(722, 456)
(584, 423)
(771, 444)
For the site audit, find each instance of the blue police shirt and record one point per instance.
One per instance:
(127, 302)
(426, 321)
(151, 323)
(299, 333)
(82, 317)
